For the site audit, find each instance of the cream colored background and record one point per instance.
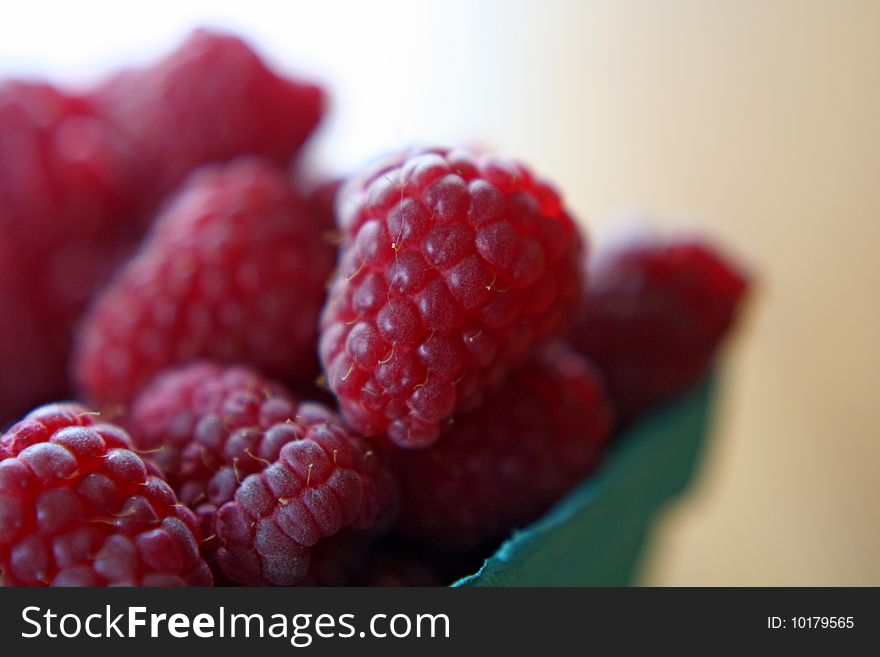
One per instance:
(757, 121)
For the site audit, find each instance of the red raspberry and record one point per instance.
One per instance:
(79, 508)
(504, 463)
(233, 270)
(321, 197)
(452, 266)
(84, 174)
(68, 170)
(653, 314)
(322, 483)
(321, 201)
(66, 182)
(209, 100)
(211, 426)
(204, 418)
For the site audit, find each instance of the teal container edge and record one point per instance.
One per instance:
(595, 535)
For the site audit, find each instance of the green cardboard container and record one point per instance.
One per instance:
(596, 534)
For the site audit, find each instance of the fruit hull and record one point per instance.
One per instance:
(595, 535)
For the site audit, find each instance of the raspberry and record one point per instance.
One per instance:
(79, 508)
(209, 100)
(233, 270)
(504, 463)
(323, 482)
(652, 316)
(211, 426)
(204, 419)
(66, 184)
(321, 198)
(453, 265)
(84, 173)
(69, 170)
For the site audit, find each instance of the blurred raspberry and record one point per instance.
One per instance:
(69, 171)
(66, 196)
(453, 265)
(501, 465)
(79, 508)
(85, 173)
(209, 100)
(233, 270)
(323, 482)
(653, 313)
(321, 199)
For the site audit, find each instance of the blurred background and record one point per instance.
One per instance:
(753, 121)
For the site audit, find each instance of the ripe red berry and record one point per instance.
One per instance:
(209, 100)
(233, 270)
(653, 314)
(325, 481)
(67, 171)
(502, 464)
(203, 419)
(210, 427)
(453, 265)
(85, 172)
(79, 508)
(66, 188)
(321, 198)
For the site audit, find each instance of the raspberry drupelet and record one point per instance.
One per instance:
(78, 507)
(453, 265)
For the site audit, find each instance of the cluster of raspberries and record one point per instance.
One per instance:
(284, 382)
